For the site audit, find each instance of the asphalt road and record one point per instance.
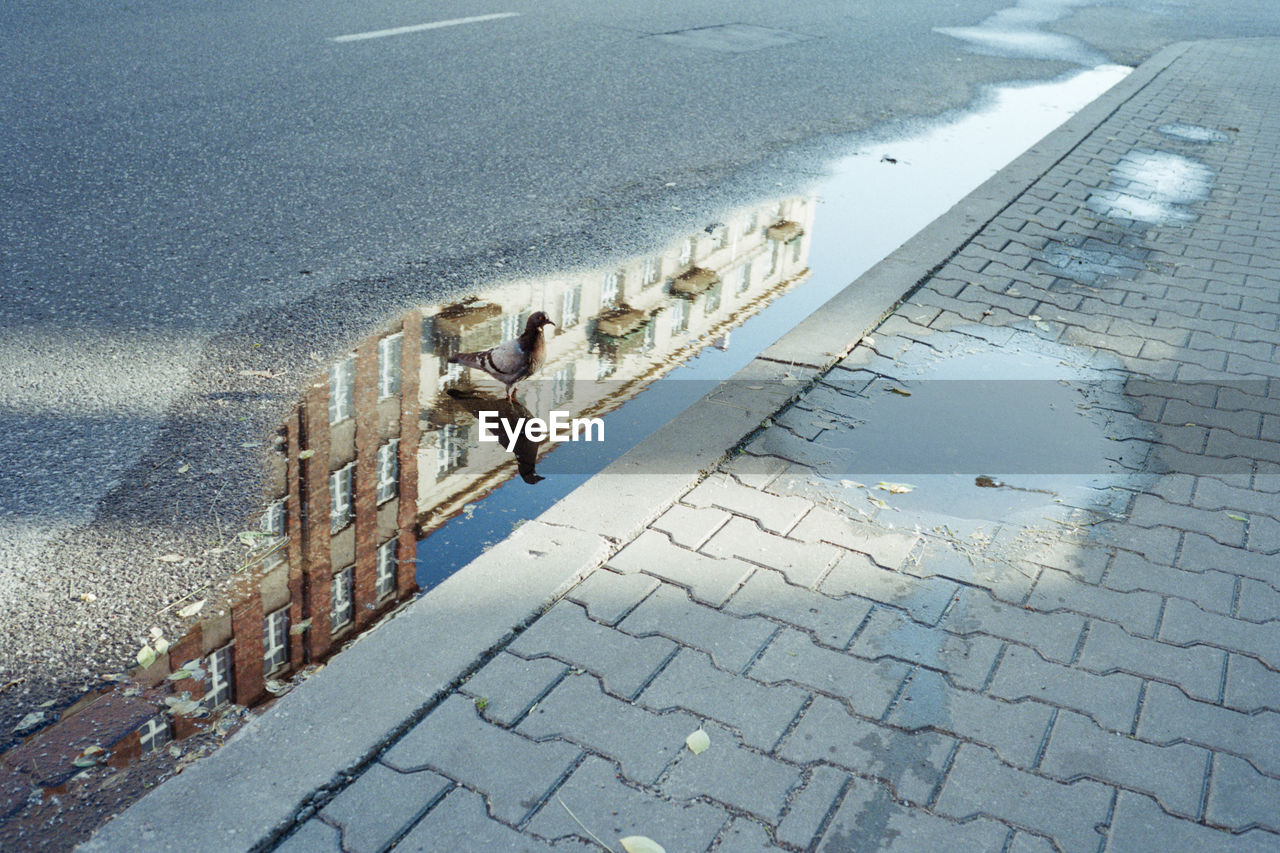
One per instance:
(190, 189)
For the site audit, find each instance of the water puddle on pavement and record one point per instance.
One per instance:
(380, 485)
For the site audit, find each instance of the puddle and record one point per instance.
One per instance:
(1018, 431)
(1192, 133)
(1016, 32)
(1154, 187)
(381, 487)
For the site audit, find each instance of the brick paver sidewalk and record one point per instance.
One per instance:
(1071, 655)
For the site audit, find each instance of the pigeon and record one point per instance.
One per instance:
(511, 361)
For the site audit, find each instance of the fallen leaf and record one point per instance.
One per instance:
(1234, 517)
(30, 721)
(181, 707)
(274, 687)
(251, 537)
(698, 742)
(300, 627)
(192, 609)
(184, 468)
(171, 558)
(179, 674)
(1033, 317)
(146, 656)
(899, 392)
(161, 645)
(306, 454)
(88, 597)
(894, 488)
(875, 500)
(156, 632)
(641, 844)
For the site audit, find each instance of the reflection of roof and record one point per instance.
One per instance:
(456, 319)
(620, 321)
(784, 231)
(693, 282)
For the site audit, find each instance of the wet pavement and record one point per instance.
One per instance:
(1006, 573)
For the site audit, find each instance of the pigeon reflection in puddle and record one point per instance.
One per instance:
(510, 414)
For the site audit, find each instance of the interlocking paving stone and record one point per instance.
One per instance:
(1111, 700)
(870, 811)
(775, 513)
(1054, 635)
(745, 835)
(710, 579)
(732, 774)
(624, 662)
(1196, 669)
(923, 598)
(1251, 686)
(803, 563)
(732, 641)
(508, 685)
(381, 804)
(613, 810)
(761, 713)
(1014, 730)
(1169, 716)
(888, 548)
(1006, 580)
(967, 660)
(460, 823)
(608, 596)
(641, 742)
(314, 836)
(1240, 797)
(978, 784)
(833, 621)
(1212, 590)
(912, 763)
(811, 804)
(1139, 823)
(1136, 612)
(1173, 774)
(690, 526)
(1025, 842)
(514, 773)
(868, 686)
(1184, 623)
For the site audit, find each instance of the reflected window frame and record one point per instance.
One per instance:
(679, 315)
(273, 518)
(275, 640)
(451, 449)
(219, 666)
(342, 390)
(389, 365)
(570, 306)
(341, 497)
(744, 277)
(154, 733)
(610, 291)
(651, 272)
(388, 470)
(342, 606)
(386, 582)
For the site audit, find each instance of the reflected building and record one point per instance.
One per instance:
(384, 446)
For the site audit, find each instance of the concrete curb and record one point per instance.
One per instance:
(287, 763)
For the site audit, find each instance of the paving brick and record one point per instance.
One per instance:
(753, 471)
(612, 810)
(868, 686)
(978, 784)
(887, 547)
(711, 580)
(1174, 774)
(732, 641)
(832, 621)
(1137, 612)
(1025, 842)
(608, 596)
(1014, 730)
(381, 804)
(761, 713)
(314, 836)
(1240, 797)
(1168, 716)
(1196, 669)
(1007, 580)
(689, 526)
(1020, 547)
(623, 662)
(870, 813)
(1111, 700)
(1251, 686)
(924, 599)
(720, 771)
(1140, 824)
(508, 685)
(1184, 623)
(912, 763)
(512, 772)
(774, 513)
(809, 807)
(1212, 590)
(967, 660)
(461, 823)
(641, 742)
(1054, 635)
(1149, 511)
(803, 563)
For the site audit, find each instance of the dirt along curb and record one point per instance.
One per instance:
(284, 765)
